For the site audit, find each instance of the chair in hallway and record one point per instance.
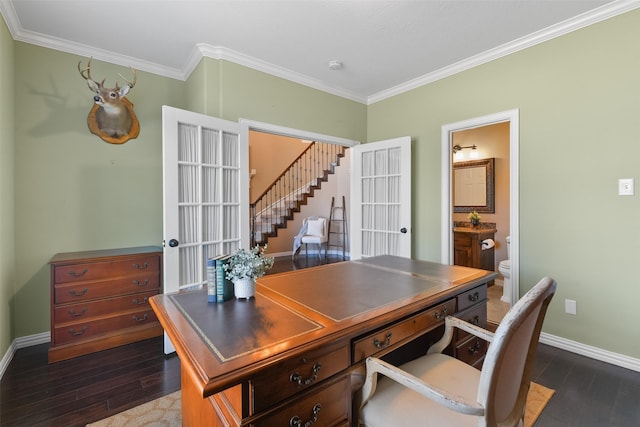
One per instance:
(313, 231)
(439, 390)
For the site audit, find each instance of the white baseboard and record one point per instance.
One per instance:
(19, 343)
(591, 352)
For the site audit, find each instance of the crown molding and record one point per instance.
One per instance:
(602, 13)
(222, 53)
(201, 50)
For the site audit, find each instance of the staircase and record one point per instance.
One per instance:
(277, 205)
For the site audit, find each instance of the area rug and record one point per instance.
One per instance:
(165, 411)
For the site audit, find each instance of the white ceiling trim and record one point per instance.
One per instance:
(219, 52)
(589, 18)
(204, 50)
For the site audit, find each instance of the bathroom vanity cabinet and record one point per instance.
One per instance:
(467, 248)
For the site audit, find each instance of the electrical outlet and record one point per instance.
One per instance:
(625, 187)
(570, 306)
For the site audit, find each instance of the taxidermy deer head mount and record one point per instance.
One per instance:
(112, 117)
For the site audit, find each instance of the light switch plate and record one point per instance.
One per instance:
(625, 187)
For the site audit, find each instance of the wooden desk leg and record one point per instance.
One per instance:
(219, 410)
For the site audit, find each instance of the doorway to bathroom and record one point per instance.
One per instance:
(462, 134)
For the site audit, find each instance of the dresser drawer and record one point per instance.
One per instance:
(85, 310)
(80, 331)
(296, 374)
(327, 405)
(472, 350)
(476, 315)
(471, 297)
(400, 332)
(72, 292)
(100, 270)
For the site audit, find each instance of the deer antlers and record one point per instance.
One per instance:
(86, 74)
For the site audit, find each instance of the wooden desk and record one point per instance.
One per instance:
(295, 353)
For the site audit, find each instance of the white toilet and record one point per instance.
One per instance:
(505, 269)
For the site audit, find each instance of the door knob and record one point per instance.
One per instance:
(173, 243)
(403, 230)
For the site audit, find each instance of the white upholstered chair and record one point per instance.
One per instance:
(439, 390)
(316, 234)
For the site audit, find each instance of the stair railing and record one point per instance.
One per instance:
(285, 194)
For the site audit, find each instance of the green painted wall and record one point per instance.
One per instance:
(6, 188)
(579, 101)
(74, 191)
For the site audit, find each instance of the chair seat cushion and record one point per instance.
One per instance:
(396, 405)
(313, 239)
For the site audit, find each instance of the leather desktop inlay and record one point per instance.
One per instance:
(369, 288)
(240, 327)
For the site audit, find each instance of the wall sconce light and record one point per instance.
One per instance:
(459, 155)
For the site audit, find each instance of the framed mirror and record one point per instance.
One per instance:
(474, 186)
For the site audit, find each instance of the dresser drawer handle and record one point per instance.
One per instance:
(75, 293)
(296, 378)
(295, 421)
(474, 296)
(141, 319)
(74, 313)
(380, 344)
(139, 283)
(475, 320)
(137, 302)
(76, 333)
(475, 349)
(141, 267)
(440, 316)
(78, 274)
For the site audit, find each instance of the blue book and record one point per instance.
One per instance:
(211, 280)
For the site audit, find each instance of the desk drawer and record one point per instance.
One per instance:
(100, 270)
(476, 315)
(471, 297)
(73, 332)
(296, 374)
(401, 332)
(329, 405)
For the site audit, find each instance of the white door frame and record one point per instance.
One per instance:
(511, 116)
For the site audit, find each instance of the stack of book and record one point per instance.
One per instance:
(219, 288)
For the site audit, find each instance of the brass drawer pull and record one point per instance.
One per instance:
(296, 378)
(74, 313)
(295, 421)
(475, 349)
(76, 333)
(139, 283)
(75, 293)
(144, 301)
(441, 316)
(141, 267)
(80, 274)
(380, 344)
(142, 319)
(474, 296)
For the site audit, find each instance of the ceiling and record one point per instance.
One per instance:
(386, 47)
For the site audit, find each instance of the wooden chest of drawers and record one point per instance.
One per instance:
(100, 299)
(472, 308)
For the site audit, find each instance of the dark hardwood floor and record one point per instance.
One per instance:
(89, 388)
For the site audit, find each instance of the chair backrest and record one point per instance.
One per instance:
(316, 226)
(506, 372)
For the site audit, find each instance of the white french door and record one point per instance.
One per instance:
(381, 198)
(206, 197)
